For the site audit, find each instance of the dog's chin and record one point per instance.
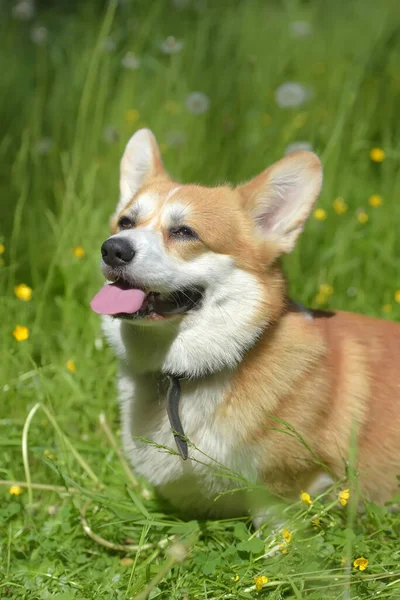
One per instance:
(161, 307)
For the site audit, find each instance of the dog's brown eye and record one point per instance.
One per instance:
(184, 232)
(125, 223)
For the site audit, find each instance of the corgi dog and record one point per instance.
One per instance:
(196, 302)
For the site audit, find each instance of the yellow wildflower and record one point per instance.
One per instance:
(326, 289)
(15, 490)
(339, 206)
(236, 578)
(2, 248)
(283, 548)
(132, 116)
(23, 292)
(21, 333)
(321, 298)
(387, 308)
(71, 366)
(375, 200)
(377, 155)
(260, 581)
(305, 498)
(362, 217)
(361, 563)
(344, 496)
(397, 296)
(172, 107)
(125, 562)
(78, 251)
(287, 536)
(320, 214)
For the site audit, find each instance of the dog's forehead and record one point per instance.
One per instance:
(176, 202)
(161, 206)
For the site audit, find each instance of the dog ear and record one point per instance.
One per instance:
(141, 161)
(281, 198)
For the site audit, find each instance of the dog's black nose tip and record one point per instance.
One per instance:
(117, 252)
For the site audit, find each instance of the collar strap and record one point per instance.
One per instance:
(173, 398)
(307, 313)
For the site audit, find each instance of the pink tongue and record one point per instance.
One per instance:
(112, 300)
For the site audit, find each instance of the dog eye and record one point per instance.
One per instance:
(125, 223)
(184, 232)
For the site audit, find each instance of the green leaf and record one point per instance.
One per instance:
(240, 531)
(210, 566)
(255, 546)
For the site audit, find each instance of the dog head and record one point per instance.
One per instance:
(202, 262)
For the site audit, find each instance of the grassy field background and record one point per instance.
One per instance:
(71, 97)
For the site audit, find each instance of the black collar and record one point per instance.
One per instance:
(173, 398)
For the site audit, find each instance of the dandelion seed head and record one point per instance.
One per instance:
(39, 35)
(24, 10)
(130, 61)
(300, 29)
(292, 95)
(171, 45)
(197, 103)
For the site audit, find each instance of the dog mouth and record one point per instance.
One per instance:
(123, 301)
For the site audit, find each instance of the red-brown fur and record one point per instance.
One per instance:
(323, 376)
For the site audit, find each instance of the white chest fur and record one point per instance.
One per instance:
(216, 455)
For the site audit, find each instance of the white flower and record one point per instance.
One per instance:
(39, 35)
(44, 145)
(130, 61)
(98, 343)
(178, 551)
(171, 45)
(295, 146)
(291, 95)
(110, 134)
(197, 103)
(109, 45)
(300, 29)
(175, 138)
(23, 10)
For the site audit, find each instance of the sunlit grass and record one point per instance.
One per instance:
(67, 109)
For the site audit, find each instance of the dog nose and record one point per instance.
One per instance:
(116, 252)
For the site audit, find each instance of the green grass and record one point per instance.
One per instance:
(238, 53)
